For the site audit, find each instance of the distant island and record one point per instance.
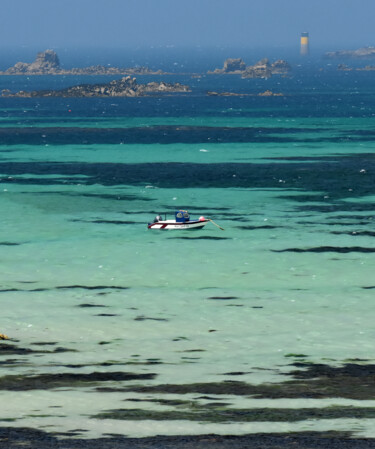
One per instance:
(48, 63)
(266, 93)
(124, 87)
(365, 52)
(261, 69)
(346, 68)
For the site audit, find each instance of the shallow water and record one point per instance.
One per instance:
(180, 330)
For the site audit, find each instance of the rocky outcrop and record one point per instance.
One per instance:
(267, 93)
(280, 67)
(346, 68)
(365, 52)
(103, 70)
(231, 65)
(261, 69)
(47, 63)
(124, 87)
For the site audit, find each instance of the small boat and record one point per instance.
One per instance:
(182, 221)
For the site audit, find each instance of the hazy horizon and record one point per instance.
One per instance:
(42, 24)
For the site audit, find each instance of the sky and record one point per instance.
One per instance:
(332, 24)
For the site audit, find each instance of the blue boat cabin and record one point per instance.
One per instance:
(182, 216)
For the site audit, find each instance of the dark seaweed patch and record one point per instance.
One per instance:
(355, 233)
(13, 362)
(115, 222)
(87, 305)
(201, 237)
(351, 381)
(8, 290)
(241, 415)
(150, 134)
(352, 217)
(66, 380)
(16, 437)
(223, 298)
(168, 402)
(6, 348)
(145, 318)
(328, 249)
(194, 350)
(312, 370)
(92, 287)
(66, 287)
(254, 228)
(334, 178)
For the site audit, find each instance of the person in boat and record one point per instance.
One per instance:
(181, 216)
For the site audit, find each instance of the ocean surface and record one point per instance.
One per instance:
(266, 326)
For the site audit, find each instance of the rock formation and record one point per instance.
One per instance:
(267, 93)
(280, 67)
(346, 68)
(47, 63)
(261, 69)
(124, 87)
(365, 52)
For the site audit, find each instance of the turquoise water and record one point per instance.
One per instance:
(87, 289)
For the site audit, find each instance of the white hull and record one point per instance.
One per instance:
(171, 224)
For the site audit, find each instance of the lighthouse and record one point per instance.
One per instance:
(304, 44)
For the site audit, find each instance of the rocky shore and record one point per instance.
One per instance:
(48, 63)
(261, 69)
(124, 87)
